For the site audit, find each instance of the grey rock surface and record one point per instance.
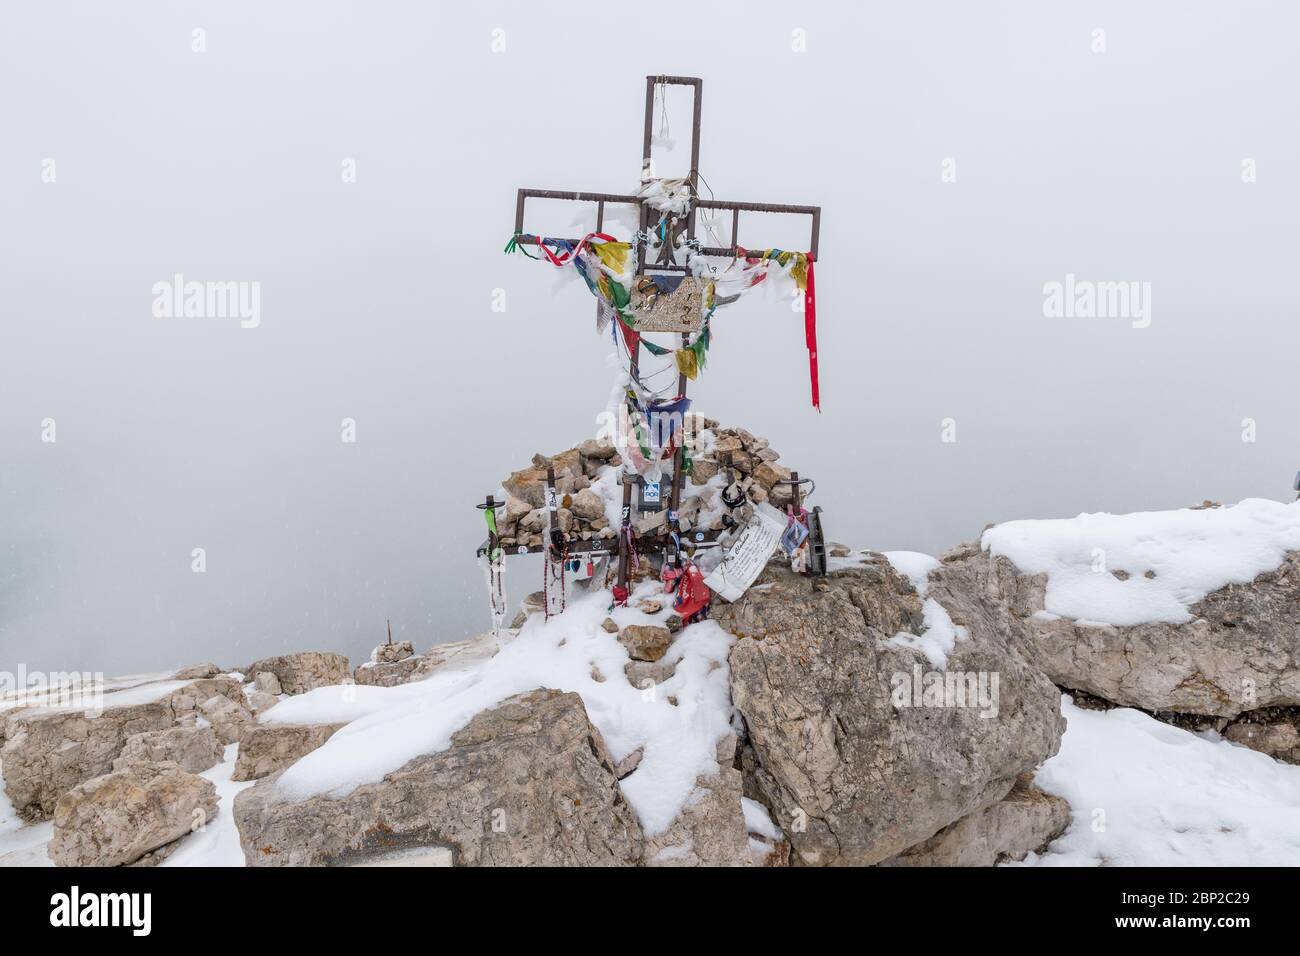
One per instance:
(528, 782)
(304, 671)
(194, 749)
(269, 748)
(1241, 651)
(850, 777)
(1025, 820)
(117, 818)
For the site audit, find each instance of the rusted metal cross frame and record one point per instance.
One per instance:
(602, 199)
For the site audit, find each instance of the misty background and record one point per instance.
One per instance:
(376, 295)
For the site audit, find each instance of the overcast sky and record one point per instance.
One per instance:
(965, 155)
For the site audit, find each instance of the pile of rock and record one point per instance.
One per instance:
(121, 782)
(47, 751)
(397, 663)
(822, 767)
(586, 479)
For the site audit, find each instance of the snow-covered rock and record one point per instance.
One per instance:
(1144, 793)
(49, 750)
(440, 657)
(528, 782)
(1193, 611)
(848, 745)
(711, 828)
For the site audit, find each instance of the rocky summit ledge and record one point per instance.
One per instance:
(899, 711)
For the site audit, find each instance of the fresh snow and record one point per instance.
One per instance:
(25, 845)
(391, 726)
(129, 689)
(758, 820)
(939, 635)
(22, 844)
(217, 844)
(914, 566)
(1191, 553)
(1144, 793)
(9, 819)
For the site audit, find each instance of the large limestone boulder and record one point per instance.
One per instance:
(47, 751)
(1241, 651)
(299, 673)
(117, 818)
(526, 783)
(853, 773)
(194, 749)
(1026, 819)
(229, 719)
(268, 748)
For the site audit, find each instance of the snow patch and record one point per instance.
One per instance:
(1144, 793)
(914, 566)
(217, 844)
(758, 821)
(1172, 558)
(389, 726)
(938, 636)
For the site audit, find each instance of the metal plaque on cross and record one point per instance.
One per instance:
(668, 303)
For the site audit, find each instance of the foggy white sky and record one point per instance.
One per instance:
(376, 295)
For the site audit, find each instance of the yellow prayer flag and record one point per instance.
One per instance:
(799, 271)
(613, 255)
(685, 359)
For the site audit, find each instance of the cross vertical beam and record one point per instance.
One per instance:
(647, 163)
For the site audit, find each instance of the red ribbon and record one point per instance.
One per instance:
(586, 241)
(810, 333)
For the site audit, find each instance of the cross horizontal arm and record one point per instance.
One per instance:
(601, 198)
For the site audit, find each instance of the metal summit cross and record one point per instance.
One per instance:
(673, 228)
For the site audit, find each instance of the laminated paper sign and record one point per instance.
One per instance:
(748, 555)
